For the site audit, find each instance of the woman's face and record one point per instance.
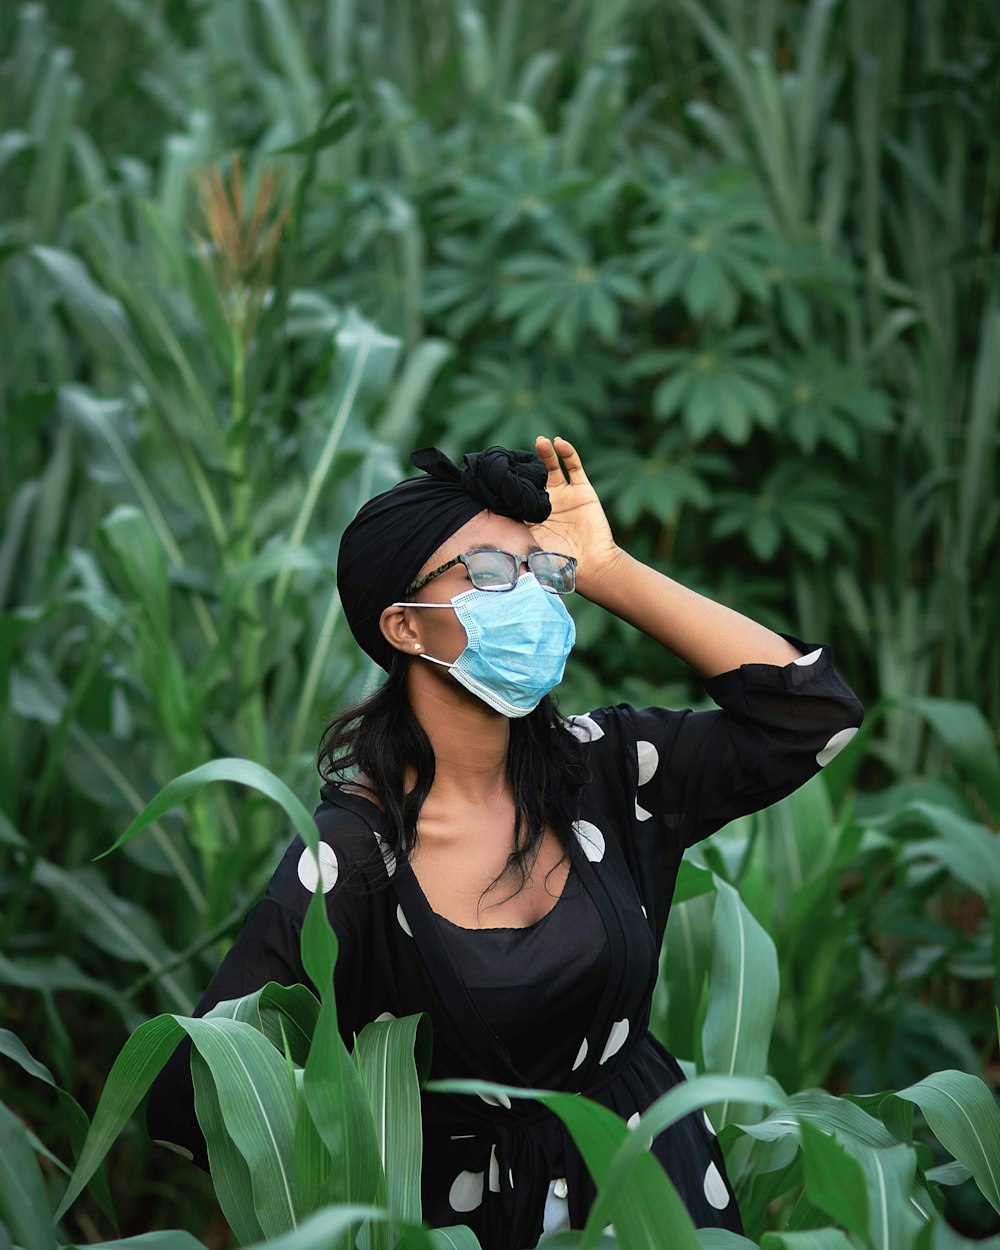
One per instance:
(438, 630)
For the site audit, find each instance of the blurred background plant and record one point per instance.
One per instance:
(253, 252)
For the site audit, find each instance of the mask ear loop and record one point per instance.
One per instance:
(416, 646)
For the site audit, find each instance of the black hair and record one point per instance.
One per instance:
(382, 738)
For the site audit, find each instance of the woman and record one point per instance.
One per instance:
(526, 863)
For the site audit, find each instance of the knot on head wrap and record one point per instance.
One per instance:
(389, 541)
(510, 483)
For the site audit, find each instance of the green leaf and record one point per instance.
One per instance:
(141, 562)
(131, 1075)
(258, 1111)
(162, 1239)
(231, 1178)
(385, 1053)
(335, 1094)
(242, 772)
(963, 1115)
(834, 1179)
(24, 1205)
(326, 1230)
(698, 1092)
(12, 1046)
(967, 734)
(342, 120)
(893, 1221)
(644, 1206)
(283, 1013)
(808, 1239)
(458, 1237)
(743, 996)
(706, 1091)
(74, 1117)
(116, 925)
(723, 1239)
(966, 848)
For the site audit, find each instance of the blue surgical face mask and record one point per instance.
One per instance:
(518, 643)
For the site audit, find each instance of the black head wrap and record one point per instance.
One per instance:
(388, 542)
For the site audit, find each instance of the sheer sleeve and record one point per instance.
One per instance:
(689, 773)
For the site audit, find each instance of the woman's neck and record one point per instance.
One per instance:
(470, 742)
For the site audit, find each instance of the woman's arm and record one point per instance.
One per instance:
(710, 637)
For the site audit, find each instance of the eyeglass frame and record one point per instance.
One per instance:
(462, 558)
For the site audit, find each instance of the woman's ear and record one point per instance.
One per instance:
(396, 624)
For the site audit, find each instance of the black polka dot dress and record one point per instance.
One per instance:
(564, 1003)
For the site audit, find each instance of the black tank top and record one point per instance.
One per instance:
(533, 985)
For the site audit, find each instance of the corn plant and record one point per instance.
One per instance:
(288, 1137)
(253, 252)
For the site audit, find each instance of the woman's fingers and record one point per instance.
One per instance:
(571, 460)
(550, 452)
(547, 454)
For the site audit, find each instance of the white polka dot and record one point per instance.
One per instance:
(811, 658)
(581, 1054)
(708, 1124)
(466, 1191)
(386, 1015)
(325, 876)
(616, 1040)
(591, 840)
(403, 923)
(641, 813)
(836, 744)
(633, 1120)
(494, 1181)
(585, 728)
(172, 1145)
(385, 850)
(715, 1188)
(644, 911)
(648, 760)
(496, 1100)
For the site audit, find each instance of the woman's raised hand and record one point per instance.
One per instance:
(577, 526)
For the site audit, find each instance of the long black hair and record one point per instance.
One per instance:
(382, 739)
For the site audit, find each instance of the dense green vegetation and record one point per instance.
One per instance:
(744, 254)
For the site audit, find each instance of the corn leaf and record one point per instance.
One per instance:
(131, 1075)
(743, 996)
(336, 1098)
(74, 1117)
(283, 1013)
(967, 734)
(893, 1220)
(258, 1111)
(243, 772)
(963, 1115)
(457, 1237)
(162, 1239)
(385, 1052)
(645, 1207)
(807, 1239)
(24, 1206)
(231, 1178)
(834, 1180)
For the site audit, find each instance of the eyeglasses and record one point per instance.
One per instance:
(490, 569)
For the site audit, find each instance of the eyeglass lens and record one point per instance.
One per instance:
(497, 570)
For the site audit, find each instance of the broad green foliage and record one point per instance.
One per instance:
(744, 256)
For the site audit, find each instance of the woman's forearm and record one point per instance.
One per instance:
(707, 635)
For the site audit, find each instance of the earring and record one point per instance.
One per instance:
(416, 646)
